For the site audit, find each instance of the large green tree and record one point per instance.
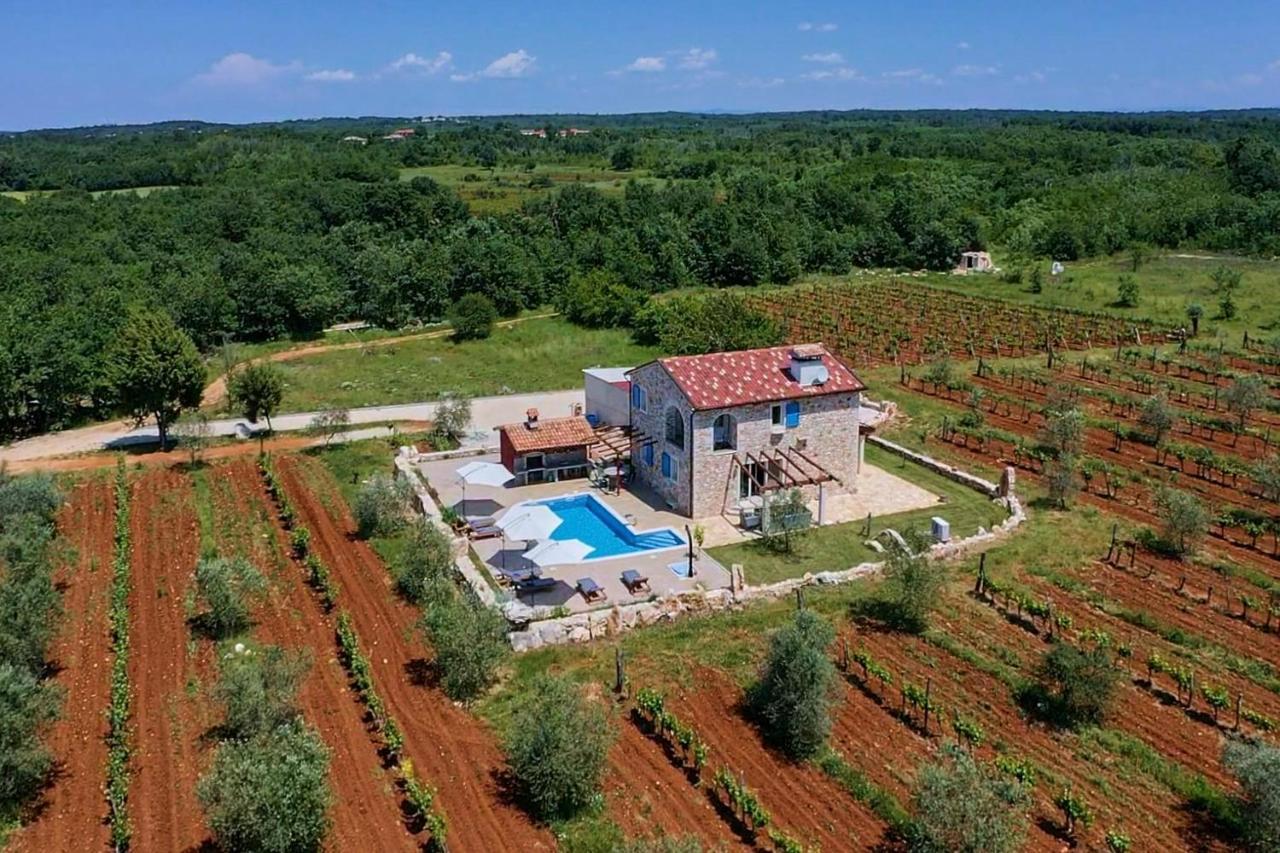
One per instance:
(257, 390)
(793, 697)
(154, 369)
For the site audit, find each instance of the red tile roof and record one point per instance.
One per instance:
(722, 379)
(551, 434)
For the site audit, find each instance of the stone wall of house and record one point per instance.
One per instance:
(662, 393)
(827, 433)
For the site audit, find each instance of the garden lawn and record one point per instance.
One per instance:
(539, 355)
(841, 546)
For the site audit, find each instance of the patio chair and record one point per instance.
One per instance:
(635, 582)
(535, 584)
(591, 590)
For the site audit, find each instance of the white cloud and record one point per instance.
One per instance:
(917, 75)
(832, 58)
(809, 26)
(423, 64)
(242, 69)
(647, 63)
(963, 45)
(974, 70)
(517, 63)
(1040, 77)
(697, 58)
(335, 75)
(844, 73)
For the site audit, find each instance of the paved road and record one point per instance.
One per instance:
(486, 414)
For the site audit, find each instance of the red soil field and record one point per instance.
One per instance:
(71, 813)
(450, 748)
(168, 721)
(1153, 817)
(366, 812)
(803, 801)
(647, 795)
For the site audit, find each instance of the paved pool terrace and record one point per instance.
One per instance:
(879, 493)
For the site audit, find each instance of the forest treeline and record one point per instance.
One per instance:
(275, 230)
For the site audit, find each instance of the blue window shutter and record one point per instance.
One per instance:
(635, 397)
(793, 415)
(648, 455)
(666, 465)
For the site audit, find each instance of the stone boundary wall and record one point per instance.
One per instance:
(964, 478)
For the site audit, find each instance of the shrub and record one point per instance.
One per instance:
(599, 300)
(470, 642)
(26, 706)
(226, 586)
(472, 317)
(382, 505)
(1075, 685)
(961, 806)
(269, 793)
(556, 748)
(259, 690)
(1127, 292)
(1256, 765)
(452, 418)
(792, 700)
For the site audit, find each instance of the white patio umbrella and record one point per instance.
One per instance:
(554, 552)
(533, 521)
(482, 474)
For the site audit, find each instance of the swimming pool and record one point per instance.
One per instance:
(586, 517)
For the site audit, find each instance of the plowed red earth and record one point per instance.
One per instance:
(169, 718)
(449, 747)
(366, 813)
(71, 813)
(647, 795)
(803, 801)
(1154, 818)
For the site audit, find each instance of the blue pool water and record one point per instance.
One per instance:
(587, 518)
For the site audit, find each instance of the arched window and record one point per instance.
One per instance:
(675, 427)
(724, 433)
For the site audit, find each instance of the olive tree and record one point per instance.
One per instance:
(963, 807)
(194, 432)
(27, 705)
(258, 689)
(1244, 396)
(329, 422)
(382, 505)
(470, 643)
(226, 587)
(913, 583)
(1256, 765)
(793, 697)
(1074, 685)
(1183, 517)
(1157, 417)
(1062, 479)
(556, 745)
(269, 793)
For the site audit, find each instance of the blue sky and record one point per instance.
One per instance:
(75, 63)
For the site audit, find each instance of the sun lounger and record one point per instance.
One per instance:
(488, 532)
(535, 584)
(634, 581)
(591, 590)
(521, 575)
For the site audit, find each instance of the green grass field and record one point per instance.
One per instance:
(1167, 284)
(841, 546)
(539, 355)
(504, 189)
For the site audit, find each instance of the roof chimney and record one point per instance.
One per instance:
(531, 418)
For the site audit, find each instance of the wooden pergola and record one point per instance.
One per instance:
(784, 468)
(613, 444)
